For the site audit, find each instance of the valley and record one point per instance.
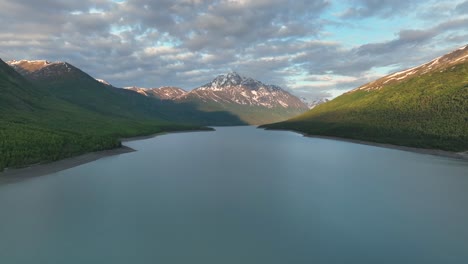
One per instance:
(53, 110)
(254, 102)
(233, 132)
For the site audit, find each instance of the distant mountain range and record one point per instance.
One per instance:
(425, 106)
(252, 101)
(71, 84)
(163, 93)
(235, 89)
(52, 110)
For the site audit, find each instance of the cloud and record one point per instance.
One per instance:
(188, 42)
(383, 8)
(462, 8)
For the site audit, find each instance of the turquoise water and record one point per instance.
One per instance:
(241, 195)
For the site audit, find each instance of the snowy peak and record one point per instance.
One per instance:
(233, 79)
(29, 65)
(229, 89)
(234, 89)
(34, 65)
(230, 79)
(139, 90)
(163, 93)
(314, 102)
(169, 92)
(438, 64)
(41, 69)
(104, 82)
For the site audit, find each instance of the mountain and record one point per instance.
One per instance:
(71, 84)
(53, 110)
(313, 103)
(36, 126)
(12, 98)
(441, 63)
(163, 93)
(251, 101)
(40, 69)
(235, 89)
(104, 82)
(425, 106)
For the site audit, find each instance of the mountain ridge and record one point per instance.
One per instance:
(236, 89)
(457, 56)
(252, 101)
(44, 119)
(73, 85)
(425, 109)
(163, 92)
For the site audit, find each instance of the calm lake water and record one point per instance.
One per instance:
(241, 195)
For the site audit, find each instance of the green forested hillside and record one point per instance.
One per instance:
(251, 115)
(428, 111)
(38, 126)
(80, 89)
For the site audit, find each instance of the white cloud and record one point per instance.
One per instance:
(188, 42)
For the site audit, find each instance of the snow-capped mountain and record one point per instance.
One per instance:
(250, 100)
(438, 64)
(164, 93)
(423, 107)
(312, 103)
(41, 69)
(233, 88)
(246, 100)
(104, 82)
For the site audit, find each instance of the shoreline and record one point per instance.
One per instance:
(434, 152)
(164, 133)
(41, 169)
(36, 170)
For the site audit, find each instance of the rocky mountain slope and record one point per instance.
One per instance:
(235, 89)
(54, 110)
(441, 63)
(315, 102)
(41, 69)
(163, 93)
(252, 101)
(425, 106)
(71, 84)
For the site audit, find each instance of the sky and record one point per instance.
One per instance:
(314, 48)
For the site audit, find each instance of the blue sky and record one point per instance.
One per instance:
(315, 48)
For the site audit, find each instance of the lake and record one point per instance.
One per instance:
(242, 195)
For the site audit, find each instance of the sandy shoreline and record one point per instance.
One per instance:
(434, 152)
(14, 175)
